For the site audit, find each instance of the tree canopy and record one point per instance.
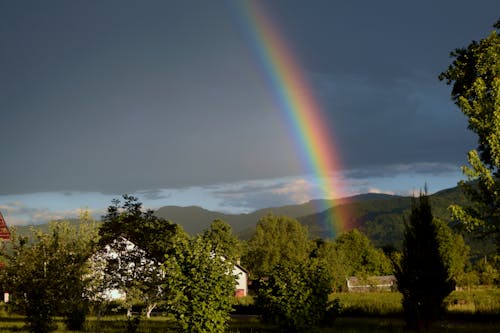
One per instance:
(47, 275)
(199, 285)
(220, 236)
(277, 239)
(475, 76)
(134, 243)
(362, 257)
(295, 295)
(151, 233)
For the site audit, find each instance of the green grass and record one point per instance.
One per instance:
(380, 304)
(477, 301)
(477, 310)
(117, 324)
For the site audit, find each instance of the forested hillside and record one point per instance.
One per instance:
(379, 216)
(383, 220)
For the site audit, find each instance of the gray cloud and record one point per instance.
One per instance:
(405, 121)
(18, 213)
(116, 97)
(433, 169)
(154, 194)
(262, 194)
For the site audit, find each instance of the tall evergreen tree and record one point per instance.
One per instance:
(422, 273)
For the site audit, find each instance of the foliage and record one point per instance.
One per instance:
(277, 240)
(152, 234)
(123, 266)
(422, 274)
(295, 295)
(334, 262)
(488, 271)
(134, 244)
(475, 75)
(454, 252)
(220, 236)
(200, 279)
(47, 275)
(362, 258)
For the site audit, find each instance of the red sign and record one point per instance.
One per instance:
(4, 231)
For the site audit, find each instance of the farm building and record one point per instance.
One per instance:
(372, 283)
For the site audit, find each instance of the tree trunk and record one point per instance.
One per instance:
(149, 309)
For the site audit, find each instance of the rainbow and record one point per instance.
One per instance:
(297, 102)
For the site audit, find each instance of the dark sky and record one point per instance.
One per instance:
(121, 96)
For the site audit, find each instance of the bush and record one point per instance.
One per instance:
(333, 310)
(295, 296)
(244, 305)
(75, 316)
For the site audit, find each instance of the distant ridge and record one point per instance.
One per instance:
(379, 216)
(195, 219)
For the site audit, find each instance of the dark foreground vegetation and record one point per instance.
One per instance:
(476, 310)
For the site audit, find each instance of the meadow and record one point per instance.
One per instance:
(467, 311)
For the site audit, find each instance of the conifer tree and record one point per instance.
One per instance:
(422, 273)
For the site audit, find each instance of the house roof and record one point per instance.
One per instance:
(4, 230)
(378, 281)
(241, 268)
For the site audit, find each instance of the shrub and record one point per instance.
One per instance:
(295, 296)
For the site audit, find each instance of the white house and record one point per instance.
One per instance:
(99, 262)
(137, 266)
(241, 280)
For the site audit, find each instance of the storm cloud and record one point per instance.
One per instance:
(121, 96)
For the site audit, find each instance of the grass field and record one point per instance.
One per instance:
(342, 325)
(474, 311)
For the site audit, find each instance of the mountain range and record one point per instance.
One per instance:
(379, 216)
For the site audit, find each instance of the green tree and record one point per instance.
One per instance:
(295, 295)
(134, 243)
(47, 275)
(362, 258)
(475, 75)
(200, 279)
(334, 262)
(487, 271)
(127, 268)
(151, 233)
(422, 275)
(277, 240)
(222, 239)
(454, 251)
